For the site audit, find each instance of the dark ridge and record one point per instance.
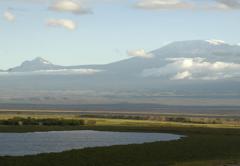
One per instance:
(126, 107)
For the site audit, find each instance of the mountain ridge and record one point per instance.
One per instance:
(212, 49)
(180, 73)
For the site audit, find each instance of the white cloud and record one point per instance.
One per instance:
(219, 6)
(72, 6)
(196, 69)
(228, 4)
(185, 4)
(9, 16)
(140, 53)
(68, 24)
(163, 4)
(182, 75)
(68, 71)
(54, 72)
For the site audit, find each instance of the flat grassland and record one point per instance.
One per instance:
(209, 142)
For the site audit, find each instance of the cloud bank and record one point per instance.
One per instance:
(54, 72)
(141, 53)
(195, 69)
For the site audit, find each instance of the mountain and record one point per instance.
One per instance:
(194, 72)
(212, 50)
(39, 65)
(209, 49)
(35, 65)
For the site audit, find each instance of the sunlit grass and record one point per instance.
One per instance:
(121, 122)
(205, 144)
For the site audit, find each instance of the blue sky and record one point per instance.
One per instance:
(103, 31)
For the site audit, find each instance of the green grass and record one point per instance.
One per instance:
(202, 147)
(205, 145)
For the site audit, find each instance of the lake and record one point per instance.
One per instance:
(19, 144)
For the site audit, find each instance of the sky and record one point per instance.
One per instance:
(75, 32)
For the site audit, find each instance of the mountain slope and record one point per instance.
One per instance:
(186, 72)
(212, 50)
(187, 49)
(35, 65)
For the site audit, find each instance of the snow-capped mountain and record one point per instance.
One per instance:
(209, 68)
(204, 49)
(210, 51)
(40, 66)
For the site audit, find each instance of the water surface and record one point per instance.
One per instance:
(18, 144)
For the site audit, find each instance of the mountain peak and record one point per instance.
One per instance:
(38, 60)
(33, 65)
(196, 45)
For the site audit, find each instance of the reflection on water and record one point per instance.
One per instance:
(18, 144)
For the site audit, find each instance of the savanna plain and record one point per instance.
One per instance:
(210, 140)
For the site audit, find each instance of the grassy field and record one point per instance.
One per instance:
(205, 145)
